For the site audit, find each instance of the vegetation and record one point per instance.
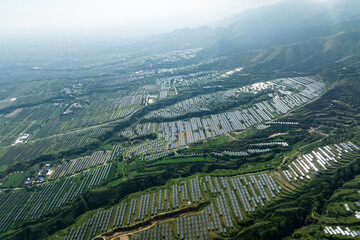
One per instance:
(221, 134)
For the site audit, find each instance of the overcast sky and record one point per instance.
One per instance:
(128, 17)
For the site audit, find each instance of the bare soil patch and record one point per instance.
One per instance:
(14, 113)
(278, 134)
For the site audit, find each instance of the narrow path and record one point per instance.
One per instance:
(282, 163)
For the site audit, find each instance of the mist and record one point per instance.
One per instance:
(22, 19)
(36, 25)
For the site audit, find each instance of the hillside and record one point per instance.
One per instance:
(245, 129)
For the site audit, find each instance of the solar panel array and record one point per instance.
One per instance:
(231, 199)
(19, 206)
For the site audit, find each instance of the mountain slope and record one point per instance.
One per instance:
(310, 56)
(280, 24)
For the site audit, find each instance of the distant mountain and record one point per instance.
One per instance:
(293, 30)
(296, 11)
(287, 23)
(180, 39)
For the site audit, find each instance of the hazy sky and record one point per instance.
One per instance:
(21, 18)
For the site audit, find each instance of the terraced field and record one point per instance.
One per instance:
(249, 130)
(205, 206)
